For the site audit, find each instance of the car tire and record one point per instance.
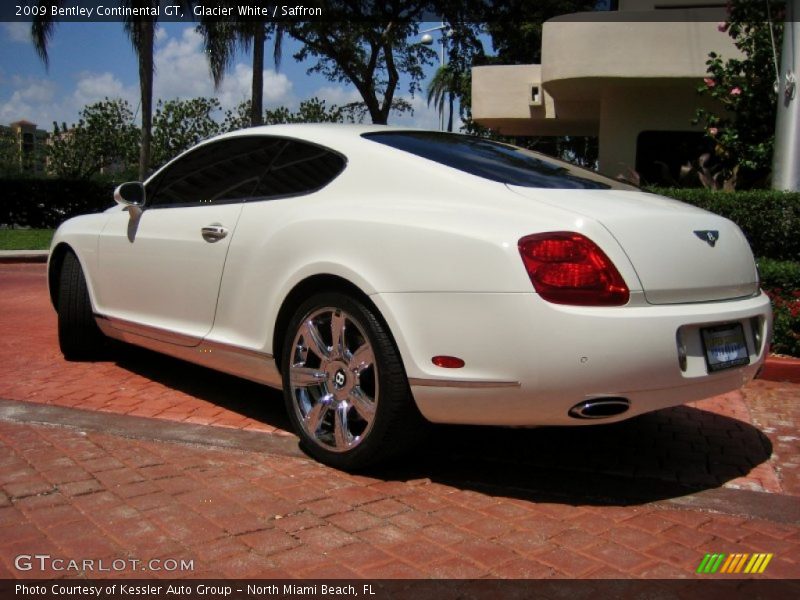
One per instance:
(78, 335)
(347, 395)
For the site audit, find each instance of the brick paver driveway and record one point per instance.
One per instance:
(145, 457)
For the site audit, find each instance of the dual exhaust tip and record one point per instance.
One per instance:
(600, 408)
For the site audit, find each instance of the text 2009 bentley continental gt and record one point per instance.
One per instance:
(381, 276)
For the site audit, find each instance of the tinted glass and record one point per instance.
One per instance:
(220, 172)
(494, 161)
(300, 168)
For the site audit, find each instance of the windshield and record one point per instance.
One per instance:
(495, 161)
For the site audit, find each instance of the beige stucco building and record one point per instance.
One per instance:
(28, 146)
(629, 77)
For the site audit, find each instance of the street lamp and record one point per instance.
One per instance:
(427, 40)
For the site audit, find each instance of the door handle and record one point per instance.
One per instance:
(214, 233)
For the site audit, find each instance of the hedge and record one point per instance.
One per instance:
(781, 274)
(770, 220)
(781, 281)
(46, 203)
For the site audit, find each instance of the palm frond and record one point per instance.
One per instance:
(42, 29)
(220, 44)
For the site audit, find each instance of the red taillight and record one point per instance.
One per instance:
(569, 268)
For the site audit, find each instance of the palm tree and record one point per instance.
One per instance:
(446, 83)
(141, 31)
(223, 38)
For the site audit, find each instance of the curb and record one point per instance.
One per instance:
(781, 368)
(545, 485)
(24, 256)
(152, 429)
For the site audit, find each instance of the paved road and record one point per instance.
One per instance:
(145, 457)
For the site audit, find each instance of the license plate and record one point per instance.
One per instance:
(725, 347)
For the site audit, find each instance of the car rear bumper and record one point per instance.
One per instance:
(528, 362)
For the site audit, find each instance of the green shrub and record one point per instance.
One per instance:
(786, 322)
(781, 281)
(770, 220)
(46, 203)
(781, 274)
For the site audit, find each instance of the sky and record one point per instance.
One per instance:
(91, 61)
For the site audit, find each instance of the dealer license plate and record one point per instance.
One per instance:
(725, 347)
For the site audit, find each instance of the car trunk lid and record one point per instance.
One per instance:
(681, 253)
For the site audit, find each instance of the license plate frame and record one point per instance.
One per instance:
(724, 347)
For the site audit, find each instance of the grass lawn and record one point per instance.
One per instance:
(25, 239)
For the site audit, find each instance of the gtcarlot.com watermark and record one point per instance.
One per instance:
(46, 562)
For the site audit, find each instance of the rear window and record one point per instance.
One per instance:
(498, 162)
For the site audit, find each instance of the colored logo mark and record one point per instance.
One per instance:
(734, 563)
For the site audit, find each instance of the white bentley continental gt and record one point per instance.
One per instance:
(383, 277)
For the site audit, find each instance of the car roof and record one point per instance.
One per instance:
(336, 135)
(312, 130)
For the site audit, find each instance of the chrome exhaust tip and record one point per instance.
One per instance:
(599, 408)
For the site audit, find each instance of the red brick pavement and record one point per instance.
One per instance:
(143, 384)
(235, 513)
(775, 409)
(73, 494)
(34, 370)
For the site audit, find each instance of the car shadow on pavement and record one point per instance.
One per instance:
(656, 456)
(240, 396)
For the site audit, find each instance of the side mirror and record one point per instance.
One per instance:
(129, 194)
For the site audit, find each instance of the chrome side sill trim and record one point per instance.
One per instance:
(243, 362)
(210, 346)
(461, 383)
(148, 331)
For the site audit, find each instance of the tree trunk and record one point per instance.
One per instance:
(391, 84)
(382, 116)
(450, 118)
(257, 96)
(377, 113)
(145, 51)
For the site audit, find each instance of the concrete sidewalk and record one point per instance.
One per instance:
(145, 457)
(23, 256)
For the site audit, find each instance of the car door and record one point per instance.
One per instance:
(261, 252)
(161, 267)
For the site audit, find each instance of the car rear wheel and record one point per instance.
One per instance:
(344, 384)
(78, 334)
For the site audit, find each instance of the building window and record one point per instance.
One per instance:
(27, 143)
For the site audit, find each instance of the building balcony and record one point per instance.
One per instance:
(613, 75)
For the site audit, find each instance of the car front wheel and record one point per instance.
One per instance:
(78, 335)
(344, 384)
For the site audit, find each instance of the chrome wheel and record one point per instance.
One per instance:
(333, 379)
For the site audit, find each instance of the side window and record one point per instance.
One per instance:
(300, 168)
(217, 173)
